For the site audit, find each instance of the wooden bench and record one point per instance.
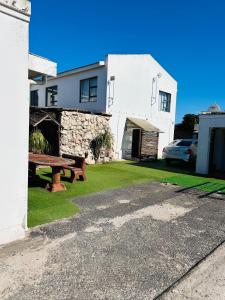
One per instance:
(78, 169)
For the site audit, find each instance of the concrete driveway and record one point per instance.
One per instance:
(131, 243)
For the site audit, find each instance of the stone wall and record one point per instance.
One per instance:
(78, 131)
(149, 144)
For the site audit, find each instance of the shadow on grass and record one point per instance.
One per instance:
(37, 181)
(186, 189)
(174, 167)
(220, 189)
(65, 178)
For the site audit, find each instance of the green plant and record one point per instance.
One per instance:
(38, 143)
(102, 141)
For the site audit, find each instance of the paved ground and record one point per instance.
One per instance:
(130, 243)
(205, 281)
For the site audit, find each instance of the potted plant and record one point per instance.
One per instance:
(38, 143)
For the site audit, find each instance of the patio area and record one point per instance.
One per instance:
(45, 207)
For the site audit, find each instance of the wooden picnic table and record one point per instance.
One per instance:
(56, 163)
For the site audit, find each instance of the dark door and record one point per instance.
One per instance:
(136, 142)
(217, 153)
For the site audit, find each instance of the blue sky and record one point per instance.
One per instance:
(187, 37)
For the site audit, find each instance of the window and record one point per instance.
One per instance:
(164, 101)
(34, 98)
(184, 143)
(88, 90)
(51, 95)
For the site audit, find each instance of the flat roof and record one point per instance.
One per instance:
(84, 68)
(208, 113)
(42, 57)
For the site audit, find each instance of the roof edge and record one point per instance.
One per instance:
(81, 69)
(61, 109)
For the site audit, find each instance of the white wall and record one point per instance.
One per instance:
(41, 65)
(133, 91)
(206, 123)
(69, 90)
(14, 97)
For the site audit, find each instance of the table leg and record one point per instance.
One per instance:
(56, 185)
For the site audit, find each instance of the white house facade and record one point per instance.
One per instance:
(127, 87)
(14, 121)
(211, 144)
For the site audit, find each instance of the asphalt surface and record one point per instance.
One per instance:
(131, 243)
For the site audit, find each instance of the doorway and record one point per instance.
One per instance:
(136, 143)
(217, 152)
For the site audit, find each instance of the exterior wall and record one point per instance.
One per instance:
(206, 123)
(14, 151)
(42, 65)
(69, 91)
(78, 131)
(134, 94)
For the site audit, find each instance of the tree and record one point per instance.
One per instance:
(185, 129)
(189, 121)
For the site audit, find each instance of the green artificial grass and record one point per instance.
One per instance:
(209, 185)
(45, 207)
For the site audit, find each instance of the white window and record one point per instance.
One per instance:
(164, 101)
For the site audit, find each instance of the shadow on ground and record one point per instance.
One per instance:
(175, 167)
(37, 181)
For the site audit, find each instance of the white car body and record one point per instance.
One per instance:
(182, 149)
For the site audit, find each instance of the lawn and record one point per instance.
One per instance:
(45, 207)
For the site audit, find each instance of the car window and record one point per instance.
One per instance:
(184, 143)
(173, 143)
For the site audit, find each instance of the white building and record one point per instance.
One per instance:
(14, 122)
(132, 88)
(211, 144)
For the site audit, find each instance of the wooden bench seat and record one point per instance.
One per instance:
(78, 169)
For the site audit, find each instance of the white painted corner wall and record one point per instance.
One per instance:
(14, 123)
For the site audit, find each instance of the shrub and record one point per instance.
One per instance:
(38, 143)
(102, 141)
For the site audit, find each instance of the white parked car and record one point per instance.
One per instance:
(183, 150)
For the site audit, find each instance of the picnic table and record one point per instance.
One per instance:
(56, 163)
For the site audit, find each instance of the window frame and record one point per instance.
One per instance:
(46, 96)
(161, 107)
(89, 90)
(34, 91)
